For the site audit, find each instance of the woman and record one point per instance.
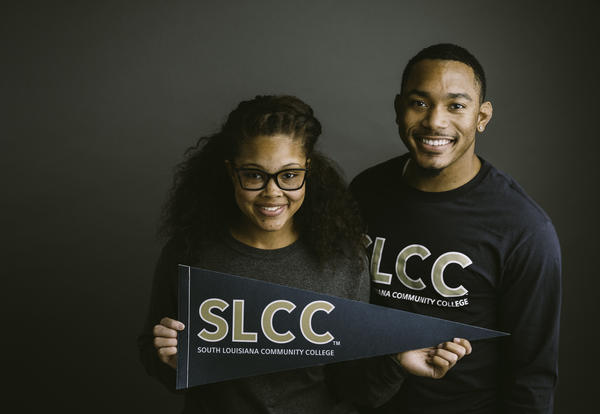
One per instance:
(257, 199)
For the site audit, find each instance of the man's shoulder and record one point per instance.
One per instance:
(511, 196)
(376, 173)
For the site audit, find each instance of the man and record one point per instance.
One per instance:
(451, 236)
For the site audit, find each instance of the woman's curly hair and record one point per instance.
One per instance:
(201, 201)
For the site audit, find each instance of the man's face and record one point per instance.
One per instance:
(438, 114)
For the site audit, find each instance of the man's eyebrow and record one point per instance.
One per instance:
(418, 92)
(425, 94)
(460, 95)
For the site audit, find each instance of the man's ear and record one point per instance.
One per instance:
(484, 116)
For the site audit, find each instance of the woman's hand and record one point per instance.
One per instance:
(165, 340)
(434, 362)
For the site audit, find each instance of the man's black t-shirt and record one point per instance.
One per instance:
(484, 254)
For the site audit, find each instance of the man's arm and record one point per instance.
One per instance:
(530, 298)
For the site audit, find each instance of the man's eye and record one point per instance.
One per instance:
(456, 106)
(417, 103)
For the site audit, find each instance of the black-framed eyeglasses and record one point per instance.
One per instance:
(254, 179)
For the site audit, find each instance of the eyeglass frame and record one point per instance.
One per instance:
(270, 176)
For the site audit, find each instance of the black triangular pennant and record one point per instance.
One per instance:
(238, 327)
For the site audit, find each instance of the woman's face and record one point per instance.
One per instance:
(268, 213)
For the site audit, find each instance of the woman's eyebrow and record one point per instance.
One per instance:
(260, 167)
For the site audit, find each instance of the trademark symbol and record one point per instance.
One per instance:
(336, 342)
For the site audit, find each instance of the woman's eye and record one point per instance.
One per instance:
(252, 175)
(289, 175)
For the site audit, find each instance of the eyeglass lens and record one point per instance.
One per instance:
(253, 179)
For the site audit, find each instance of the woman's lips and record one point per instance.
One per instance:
(271, 211)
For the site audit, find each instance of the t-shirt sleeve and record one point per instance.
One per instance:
(163, 303)
(530, 298)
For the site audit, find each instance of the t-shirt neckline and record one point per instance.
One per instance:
(445, 195)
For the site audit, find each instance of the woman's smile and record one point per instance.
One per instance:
(271, 210)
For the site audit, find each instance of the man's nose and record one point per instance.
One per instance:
(437, 118)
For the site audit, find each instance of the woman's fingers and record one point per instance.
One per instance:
(447, 354)
(440, 362)
(453, 348)
(460, 347)
(165, 340)
(464, 343)
(172, 324)
(160, 342)
(166, 352)
(168, 355)
(167, 328)
(163, 331)
(443, 357)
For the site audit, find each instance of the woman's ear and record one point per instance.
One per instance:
(230, 171)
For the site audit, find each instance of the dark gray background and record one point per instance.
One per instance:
(100, 99)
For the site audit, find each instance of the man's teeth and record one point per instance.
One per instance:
(435, 142)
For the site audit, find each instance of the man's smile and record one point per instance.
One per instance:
(436, 142)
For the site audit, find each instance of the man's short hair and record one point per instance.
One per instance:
(448, 51)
